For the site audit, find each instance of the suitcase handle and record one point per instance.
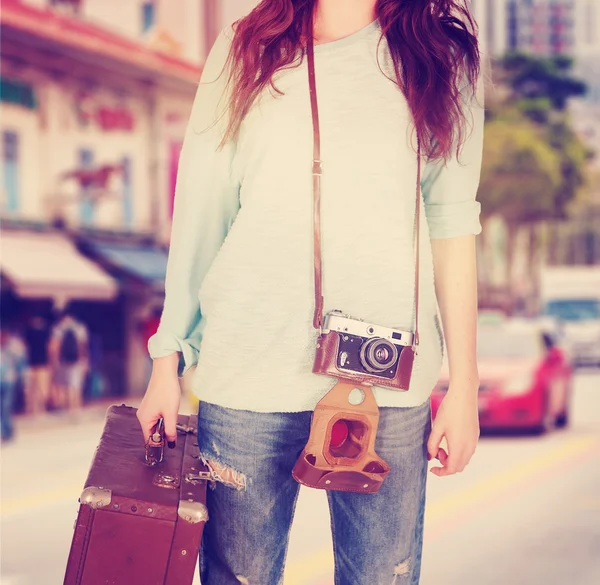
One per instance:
(155, 446)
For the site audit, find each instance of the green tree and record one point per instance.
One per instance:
(533, 164)
(537, 90)
(537, 80)
(520, 172)
(519, 178)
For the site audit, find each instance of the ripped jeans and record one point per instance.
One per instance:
(378, 538)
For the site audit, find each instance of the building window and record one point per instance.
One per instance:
(148, 16)
(10, 150)
(127, 192)
(86, 207)
(17, 92)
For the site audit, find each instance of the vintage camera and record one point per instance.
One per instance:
(354, 349)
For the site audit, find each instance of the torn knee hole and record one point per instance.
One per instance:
(401, 570)
(225, 475)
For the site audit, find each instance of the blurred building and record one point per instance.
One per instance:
(95, 99)
(483, 11)
(549, 28)
(587, 50)
(540, 27)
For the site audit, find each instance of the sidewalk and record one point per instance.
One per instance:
(93, 412)
(96, 411)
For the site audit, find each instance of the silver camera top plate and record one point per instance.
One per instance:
(337, 321)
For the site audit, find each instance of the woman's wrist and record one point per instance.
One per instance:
(168, 364)
(464, 380)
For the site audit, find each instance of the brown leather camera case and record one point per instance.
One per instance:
(352, 466)
(326, 356)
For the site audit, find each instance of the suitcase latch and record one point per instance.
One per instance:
(167, 481)
(198, 477)
(185, 429)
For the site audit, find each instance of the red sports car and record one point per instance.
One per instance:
(526, 380)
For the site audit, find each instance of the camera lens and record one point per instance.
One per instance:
(377, 355)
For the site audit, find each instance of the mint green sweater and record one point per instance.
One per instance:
(239, 288)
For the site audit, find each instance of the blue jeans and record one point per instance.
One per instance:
(378, 538)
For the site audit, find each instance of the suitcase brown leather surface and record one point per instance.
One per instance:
(139, 525)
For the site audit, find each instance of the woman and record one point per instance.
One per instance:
(239, 288)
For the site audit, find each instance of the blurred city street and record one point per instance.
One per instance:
(96, 99)
(526, 510)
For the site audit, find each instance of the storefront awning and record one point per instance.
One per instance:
(48, 265)
(144, 263)
(77, 39)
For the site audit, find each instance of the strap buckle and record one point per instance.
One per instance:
(317, 167)
(319, 320)
(415, 343)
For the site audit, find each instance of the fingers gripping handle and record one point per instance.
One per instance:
(155, 445)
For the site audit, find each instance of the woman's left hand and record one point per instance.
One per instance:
(457, 419)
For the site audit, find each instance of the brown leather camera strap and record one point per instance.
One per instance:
(317, 171)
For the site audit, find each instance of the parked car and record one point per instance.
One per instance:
(571, 295)
(526, 378)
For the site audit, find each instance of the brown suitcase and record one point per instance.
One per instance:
(139, 524)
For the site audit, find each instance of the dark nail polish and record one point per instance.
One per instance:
(171, 444)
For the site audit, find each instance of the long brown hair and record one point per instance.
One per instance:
(432, 43)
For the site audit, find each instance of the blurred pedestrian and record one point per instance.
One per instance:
(13, 362)
(69, 356)
(37, 383)
(551, 347)
(95, 384)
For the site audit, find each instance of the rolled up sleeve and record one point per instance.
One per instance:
(450, 189)
(206, 203)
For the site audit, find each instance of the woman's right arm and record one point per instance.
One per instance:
(206, 202)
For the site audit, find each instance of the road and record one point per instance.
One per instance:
(525, 512)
